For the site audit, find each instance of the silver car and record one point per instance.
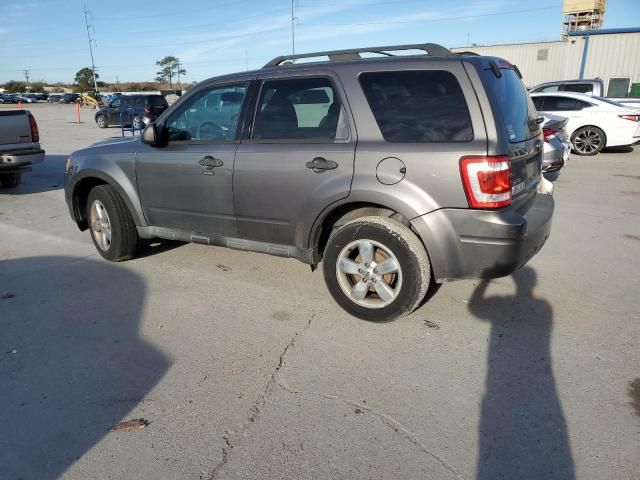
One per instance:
(557, 145)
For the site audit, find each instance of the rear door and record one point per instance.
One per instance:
(297, 158)
(516, 118)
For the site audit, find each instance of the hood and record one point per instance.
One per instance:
(110, 145)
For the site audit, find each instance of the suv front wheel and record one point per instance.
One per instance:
(113, 230)
(376, 268)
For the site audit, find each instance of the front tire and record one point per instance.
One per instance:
(112, 228)
(10, 180)
(376, 269)
(588, 141)
(102, 121)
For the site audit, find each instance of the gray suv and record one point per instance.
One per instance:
(395, 171)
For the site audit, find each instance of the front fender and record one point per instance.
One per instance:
(117, 170)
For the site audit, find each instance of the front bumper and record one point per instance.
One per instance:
(466, 243)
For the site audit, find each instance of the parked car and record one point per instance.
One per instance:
(24, 98)
(54, 98)
(592, 87)
(10, 98)
(392, 171)
(593, 122)
(146, 108)
(19, 146)
(70, 98)
(557, 146)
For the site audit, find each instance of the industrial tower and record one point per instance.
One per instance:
(582, 15)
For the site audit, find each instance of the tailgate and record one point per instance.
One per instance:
(14, 128)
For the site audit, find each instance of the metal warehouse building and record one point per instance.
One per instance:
(607, 53)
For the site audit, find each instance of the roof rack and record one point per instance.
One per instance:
(431, 49)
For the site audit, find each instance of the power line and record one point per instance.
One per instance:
(430, 20)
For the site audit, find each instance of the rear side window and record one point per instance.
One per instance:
(418, 106)
(306, 109)
(563, 104)
(578, 87)
(156, 101)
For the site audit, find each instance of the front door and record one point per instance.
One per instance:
(188, 184)
(299, 158)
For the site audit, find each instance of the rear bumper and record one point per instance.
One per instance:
(20, 158)
(465, 243)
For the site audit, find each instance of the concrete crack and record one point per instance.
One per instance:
(388, 420)
(230, 437)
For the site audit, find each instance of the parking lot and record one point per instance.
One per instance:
(245, 368)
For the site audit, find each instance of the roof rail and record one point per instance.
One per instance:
(431, 49)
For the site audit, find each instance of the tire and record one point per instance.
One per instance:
(10, 180)
(102, 121)
(588, 141)
(111, 218)
(390, 241)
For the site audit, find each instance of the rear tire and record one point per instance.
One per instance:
(10, 180)
(588, 141)
(385, 284)
(112, 228)
(102, 121)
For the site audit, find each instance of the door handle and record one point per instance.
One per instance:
(320, 164)
(210, 163)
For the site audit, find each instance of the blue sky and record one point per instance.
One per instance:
(213, 37)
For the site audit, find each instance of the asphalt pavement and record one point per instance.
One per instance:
(244, 367)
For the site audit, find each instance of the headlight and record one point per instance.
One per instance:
(67, 165)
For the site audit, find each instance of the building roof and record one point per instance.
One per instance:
(604, 31)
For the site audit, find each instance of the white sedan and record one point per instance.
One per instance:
(594, 122)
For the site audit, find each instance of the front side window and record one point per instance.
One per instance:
(116, 103)
(306, 109)
(418, 106)
(211, 115)
(550, 88)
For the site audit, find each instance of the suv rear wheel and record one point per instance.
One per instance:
(376, 268)
(113, 230)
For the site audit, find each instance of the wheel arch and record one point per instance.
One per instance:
(93, 178)
(344, 212)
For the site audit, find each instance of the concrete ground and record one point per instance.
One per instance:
(246, 369)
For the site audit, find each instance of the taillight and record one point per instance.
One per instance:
(487, 181)
(147, 110)
(35, 135)
(633, 118)
(547, 132)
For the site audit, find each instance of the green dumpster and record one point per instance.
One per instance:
(635, 90)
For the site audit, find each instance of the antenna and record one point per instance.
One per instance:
(27, 72)
(93, 67)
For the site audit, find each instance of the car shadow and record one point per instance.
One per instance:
(625, 149)
(523, 431)
(72, 360)
(44, 177)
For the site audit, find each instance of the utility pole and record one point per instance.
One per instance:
(293, 29)
(27, 72)
(117, 83)
(93, 66)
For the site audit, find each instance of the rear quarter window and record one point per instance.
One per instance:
(418, 106)
(516, 108)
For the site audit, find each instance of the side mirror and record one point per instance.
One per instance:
(150, 135)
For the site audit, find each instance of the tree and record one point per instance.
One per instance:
(84, 80)
(37, 87)
(15, 86)
(171, 68)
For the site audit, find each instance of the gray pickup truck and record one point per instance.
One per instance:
(19, 146)
(593, 87)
